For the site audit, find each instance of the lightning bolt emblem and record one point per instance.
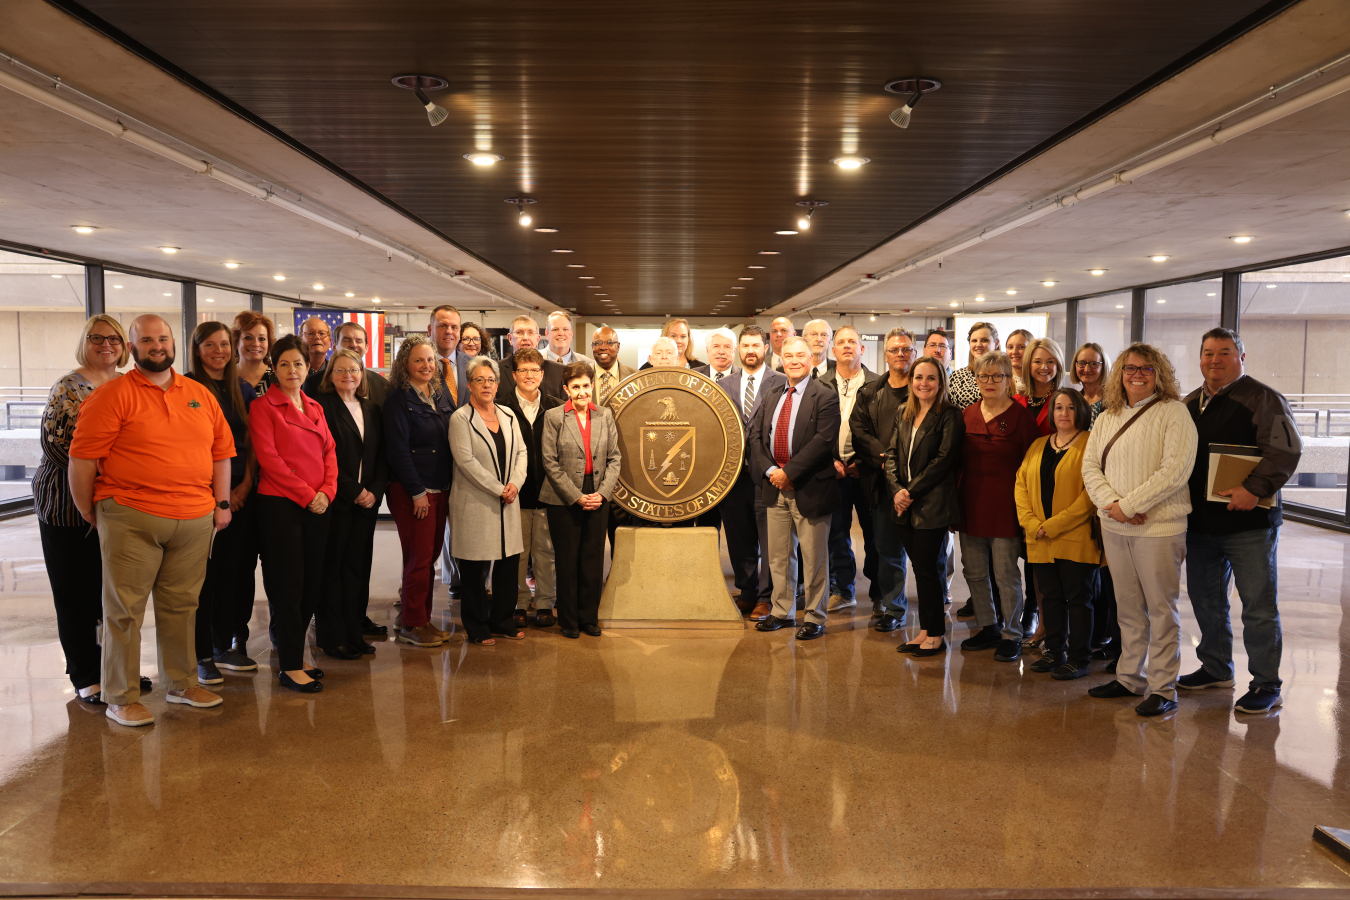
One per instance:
(670, 455)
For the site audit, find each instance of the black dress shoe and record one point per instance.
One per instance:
(888, 622)
(146, 685)
(366, 647)
(985, 638)
(931, 651)
(569, 633)
(1110, 691)
(592, 630)
(1008, 651)
(370, 628)
(342, 652)
(1047, 663)
(545, 619)
(1110, 667)
(1069, 671)
(1156, 705)
(773, 623)
(810, 631)
(312, 687)
(967, 611)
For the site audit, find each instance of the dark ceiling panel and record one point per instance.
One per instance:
(667, 142)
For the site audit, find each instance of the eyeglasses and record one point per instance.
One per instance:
(935, 346)
(997, 378)
(347, 371)
(900, 351)
(598, 344)
(530, 371)
(98, 340)
(482, 381)
(1137, 370)
(310, 334)
(471, 340)
(1087, 365)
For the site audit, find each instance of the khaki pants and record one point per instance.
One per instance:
(537, 543)
(144, 553)
(788, 529)
(1147, 576)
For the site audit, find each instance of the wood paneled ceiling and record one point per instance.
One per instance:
(668, 142)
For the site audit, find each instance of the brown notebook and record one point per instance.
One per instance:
(1229, 466)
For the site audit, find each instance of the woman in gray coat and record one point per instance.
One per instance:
(581, 462)
(491, 463)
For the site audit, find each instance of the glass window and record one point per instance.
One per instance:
(127, 296)
(219, 305)
(1105, 320)
(1174, 319)
(1295, 327)
(41, 314)
(282, 314)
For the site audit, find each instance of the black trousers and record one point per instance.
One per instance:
(250, 549)
(1066, 589)
(484, 616)
(294, 547)
(737, 510)
(351, 547)
(579, 562)
(927, 552)
(1105, 626)
(75, 570)
(218, 603)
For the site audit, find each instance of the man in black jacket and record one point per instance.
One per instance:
(525, 336)
(872, 425)
(529, 402)
(1237, 540)
(792, 442)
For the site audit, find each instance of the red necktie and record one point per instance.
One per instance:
(781, 454)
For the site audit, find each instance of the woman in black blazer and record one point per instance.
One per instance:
(921, 469)
(363, 475)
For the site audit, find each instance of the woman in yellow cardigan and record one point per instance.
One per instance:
(1056, 514)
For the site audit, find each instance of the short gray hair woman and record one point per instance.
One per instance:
(491, 463)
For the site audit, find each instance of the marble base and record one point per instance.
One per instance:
(667, 578)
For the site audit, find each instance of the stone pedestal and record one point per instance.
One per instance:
(667, 578)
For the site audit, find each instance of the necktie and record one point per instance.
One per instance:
(720, 375)
(451, 381)
(748, 401)
(781, 454)
(814, 373)
(604, 385)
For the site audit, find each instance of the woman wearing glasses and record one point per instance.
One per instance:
(473, 341)
(1138, 460)
(1088, 371)
(69, 545)
(491, 464)
(998, 432)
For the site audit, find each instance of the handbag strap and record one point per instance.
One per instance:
(1124, 428)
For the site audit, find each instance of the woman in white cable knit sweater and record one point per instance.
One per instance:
(1138, 460)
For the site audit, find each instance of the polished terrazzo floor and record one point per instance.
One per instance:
(676, 759)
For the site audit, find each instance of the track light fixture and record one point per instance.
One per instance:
(520, 203)
(804, 223)
(914, 88)
(419, 85)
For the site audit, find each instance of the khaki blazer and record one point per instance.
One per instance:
(484, 526)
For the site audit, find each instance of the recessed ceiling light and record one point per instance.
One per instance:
(583, 277)
(1049, 283)
(729, 295)
(374, 299)
(737, 287)
(979, 299)
(350, 294)
(1211, 295)
(1011, 291)
(84, 229)
(118, 286)
(210, 299)
(785, 232)
(602, 295)
(483, 159)
(547, 230)
(317, 287)
(754, 267)
(850, 162)
(576, 265)
(1159, 257)
(1096, 271)
(232, 265)
(562, 251)
(595, 287)
(1120, 306)
(168, 294)
(746, 278)
(1241, 238)
(770, 253)
(56, 276)
(170, 250)
(279, 277)
(1271, 286)
(1161, 300)
(872, 319)
(953, 303)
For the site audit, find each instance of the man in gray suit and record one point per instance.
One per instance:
(792, 446)
(443, 327)
(742, 509)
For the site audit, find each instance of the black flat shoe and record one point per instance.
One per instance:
(888, 622)
(370, 628)
(908, 648)
(312, 687)
(365, 647)
(592, 630)
(316, 674)
(1110, 691)
(967, 611)
(342, 652)
(1047, 663)
(931, 651)
(1069, 671)
(91, 700)
(568, 633)
(1156, 705)
(146, 685)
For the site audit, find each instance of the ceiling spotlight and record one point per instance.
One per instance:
(872, 318)
(419, 85)
(1049, 283)
(770, 253)
(522, 215)
(279, 277)
(350, 294)
(1120, 306)
(1012, 291)
(170, 250)
(585, 276)
(317, 287)
(1271, 286)
(1161, 300)
(576, 265)
(374, 299)
(83, 229)
(600, 295)
(232, 265)
(562, 251)
(56, 276)
(1160, 257)
(746, 278)
(737, 287)
(785, 232)
(210, 299)
(546, 230)
(118, 286)
(754, 267)
(953, 303)
(1096, 271)
(730, 295)
(1211, 295)
(1241, 238)
(915, 88)
(979, 299)
(483, 159)
(850, 162)
(168, 294)
(804, 222)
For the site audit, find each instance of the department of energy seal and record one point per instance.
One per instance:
(681, 440)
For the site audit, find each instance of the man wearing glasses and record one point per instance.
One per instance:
(608, 370)
(525, 336)
(319, 339)
(871, 424)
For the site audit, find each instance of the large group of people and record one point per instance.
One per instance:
(1076, 488)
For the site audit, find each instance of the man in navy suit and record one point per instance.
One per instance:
(444, 331)
(792, 445)
(742, 511)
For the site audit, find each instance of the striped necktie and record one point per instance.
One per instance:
(748, 401)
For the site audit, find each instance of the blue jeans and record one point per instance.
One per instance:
(843, 564)
(1213, 561)
(890, 577)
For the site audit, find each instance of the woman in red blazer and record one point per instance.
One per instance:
(297, 478)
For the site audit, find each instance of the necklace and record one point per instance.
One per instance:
(1054, 441)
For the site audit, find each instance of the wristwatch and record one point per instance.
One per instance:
(224, 504)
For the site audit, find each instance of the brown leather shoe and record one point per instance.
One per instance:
(745, 606)
(545, 619)
(760, 612)
(443, 635)
(132, 714)
(518, 617)
(199, 697)
(421, 636)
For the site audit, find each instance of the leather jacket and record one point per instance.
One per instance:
(929, 472)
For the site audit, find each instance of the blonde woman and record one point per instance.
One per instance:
(1044, 368)
(1138, 460)
(1016, 348)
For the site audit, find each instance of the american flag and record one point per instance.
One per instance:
(373, 323)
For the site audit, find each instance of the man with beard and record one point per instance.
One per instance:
(150, 468)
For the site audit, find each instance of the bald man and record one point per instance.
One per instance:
(780, 329)
(608, 370)
(150, 468)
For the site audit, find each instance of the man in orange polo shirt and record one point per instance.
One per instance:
(150, 467)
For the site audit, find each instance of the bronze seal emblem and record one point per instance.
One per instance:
(681, 440)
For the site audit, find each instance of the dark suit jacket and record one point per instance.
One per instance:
(534, 439)
(552, 384)
(732, 385)
(356, 455)
(810, 467)
(377, 386)
(701, 368)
